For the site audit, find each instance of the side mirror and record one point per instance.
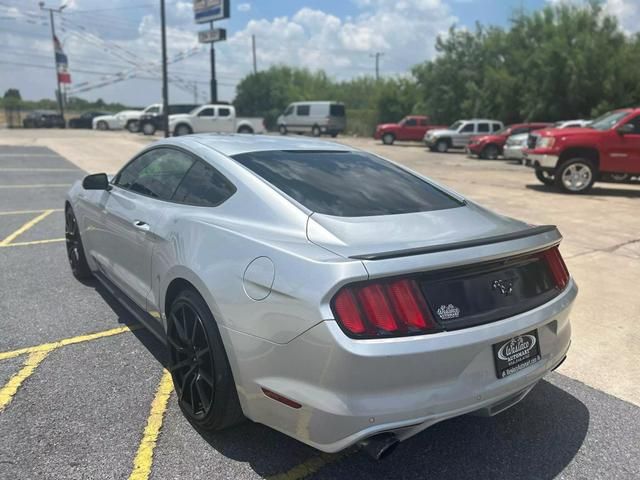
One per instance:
(626, 129)
(98, 181)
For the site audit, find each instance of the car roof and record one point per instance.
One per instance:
(234, 144)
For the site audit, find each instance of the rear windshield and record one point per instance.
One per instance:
(336, 110)
(346, 184)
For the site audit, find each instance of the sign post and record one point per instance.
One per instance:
(206, 11)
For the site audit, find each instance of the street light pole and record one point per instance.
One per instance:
(165, 86)
(55, 61)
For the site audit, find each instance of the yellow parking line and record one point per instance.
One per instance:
(65, 342)
(24, 212)
(35, 242)
(11, 387)
(311, 466)
(42, 185)
(16, 169)
(144, 457)
(25, 227)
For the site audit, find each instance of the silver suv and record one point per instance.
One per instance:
(459, 134)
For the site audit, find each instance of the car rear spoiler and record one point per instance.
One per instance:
(529, 232)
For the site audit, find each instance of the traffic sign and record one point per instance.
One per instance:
(210, 10)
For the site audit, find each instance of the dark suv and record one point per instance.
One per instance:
(153, 119)
(43, 119)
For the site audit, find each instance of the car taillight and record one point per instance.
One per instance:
(557, 267)
(383, 309)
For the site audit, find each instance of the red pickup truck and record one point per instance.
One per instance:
(411, 127)
(491, 145)
(574, 158)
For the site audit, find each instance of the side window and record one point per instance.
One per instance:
(204, 186)
(303, 110)
(636, 125)
(411, 122)
(154, 109)
(289, 110)
(224, 112)
(156, 173)
(207, 112)
(483, 128)
(496, 127)
(468, 128)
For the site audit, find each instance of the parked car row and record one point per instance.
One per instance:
(43, 119)
(184, 119)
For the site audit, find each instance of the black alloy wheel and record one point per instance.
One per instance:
(199, 366)
(75, 251)
(192, 365)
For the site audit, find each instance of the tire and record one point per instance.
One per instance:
(442, 146)
(102, 125)
(576, 175)
(334, 134)
(199, 366)
(75, 250)
(148, 128)
(133, 126)
(388, 138)
(315, 131)
(245, 129)
(182, 129)
(282, 129)
(545, 177)
(490, 152)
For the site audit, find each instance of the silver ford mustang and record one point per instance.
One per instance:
(322, 290)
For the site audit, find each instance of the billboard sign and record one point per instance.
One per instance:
(210, 10)
(213, 35)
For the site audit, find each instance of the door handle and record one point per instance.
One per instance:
(140, 225)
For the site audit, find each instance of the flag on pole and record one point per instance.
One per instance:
(62, 63)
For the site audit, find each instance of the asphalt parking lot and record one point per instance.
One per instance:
(83, 392)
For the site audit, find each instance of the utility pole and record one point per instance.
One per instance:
(165, 85)
(253, 47)
(377, 56)
(55, 61)
(214, 84)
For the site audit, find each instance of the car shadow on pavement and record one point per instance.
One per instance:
(535, 439)
(146, 338)
(627, 191)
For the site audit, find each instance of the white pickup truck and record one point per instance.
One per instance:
(213, 118)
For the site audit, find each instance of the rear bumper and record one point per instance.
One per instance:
(540, 160)
(353, 389)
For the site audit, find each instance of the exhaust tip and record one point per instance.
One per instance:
(380, 446)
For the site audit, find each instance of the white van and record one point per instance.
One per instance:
(314, 117)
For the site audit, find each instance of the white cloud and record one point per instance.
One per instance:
(627, 12)
(317, 39)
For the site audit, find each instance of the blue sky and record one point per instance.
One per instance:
(106, 41)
